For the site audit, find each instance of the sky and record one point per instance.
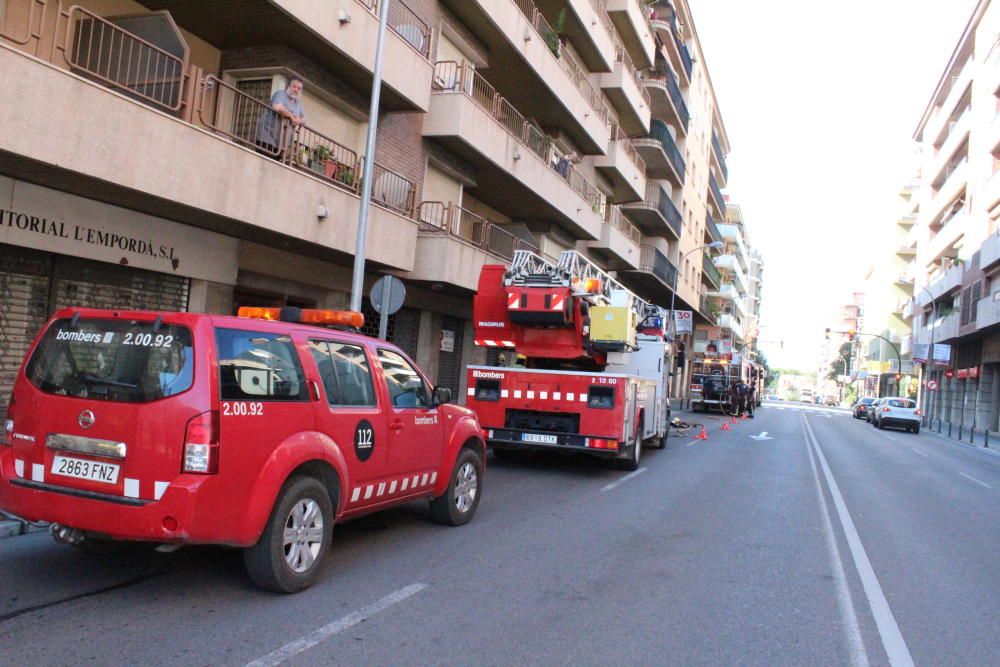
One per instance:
(820, 101)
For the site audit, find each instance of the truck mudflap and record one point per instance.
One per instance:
(504, 438)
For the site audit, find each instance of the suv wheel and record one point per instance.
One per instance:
(289, 554)
(459, 502)
(635, 453)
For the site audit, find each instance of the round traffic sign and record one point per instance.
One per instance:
(932, 385)
(388, 293)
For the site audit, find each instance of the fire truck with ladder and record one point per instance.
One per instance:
(595, 375)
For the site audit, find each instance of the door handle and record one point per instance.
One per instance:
(396, 425)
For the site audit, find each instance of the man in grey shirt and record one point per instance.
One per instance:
(286, 105)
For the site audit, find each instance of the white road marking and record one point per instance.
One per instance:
(856, 646)
(306, 642)
(890, 437)
(920, 452)
(608, 487)
(975, 480)
(692, 443)
(888, 630)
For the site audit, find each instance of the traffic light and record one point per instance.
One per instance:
(898, 377)
(828, 333)
(949, 373)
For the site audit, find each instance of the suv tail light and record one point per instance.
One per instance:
(8, 427)
(918, 412)
(885, 409)
(201, 444)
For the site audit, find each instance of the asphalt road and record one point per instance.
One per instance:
(823, 542)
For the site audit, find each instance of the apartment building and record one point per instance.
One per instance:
(956, 298)
(733, 301)
(135, 173)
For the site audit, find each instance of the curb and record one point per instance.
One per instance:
(955, 441)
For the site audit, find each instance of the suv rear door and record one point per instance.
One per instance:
(263, 400)
(349, 413)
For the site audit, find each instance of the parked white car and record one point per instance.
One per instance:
(898, 412)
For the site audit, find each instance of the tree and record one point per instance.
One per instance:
(838, 367)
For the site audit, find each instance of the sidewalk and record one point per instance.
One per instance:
(982, 440)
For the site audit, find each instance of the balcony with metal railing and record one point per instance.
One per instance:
(632, 20)
(663, 158)
(714, 278)
(657, 264)
(124, 92)
(715, 197)
(519, 171)
(540, 77)
(454, 243)
(623, 167)
(664, 21)
(720, 158)
(619, 242)
(667, 101)
(628, 94)
(656, 215)
(587, 24)
(315, 31)
(712, 233)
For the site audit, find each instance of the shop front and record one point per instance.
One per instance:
(59, 250)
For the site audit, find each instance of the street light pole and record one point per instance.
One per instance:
(358, 279)
(929, 363)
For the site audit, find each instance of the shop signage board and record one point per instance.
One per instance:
(37, 217)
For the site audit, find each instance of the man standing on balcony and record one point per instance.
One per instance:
(286, 105)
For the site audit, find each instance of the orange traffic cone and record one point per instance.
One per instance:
(725, 426)
(744, 416)
(734, 420)
(703, 435)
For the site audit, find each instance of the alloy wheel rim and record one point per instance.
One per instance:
(466, 487)
(303, 535)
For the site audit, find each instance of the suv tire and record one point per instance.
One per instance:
(635, 453)
(303, 510)
(916, 428)
(465, 487)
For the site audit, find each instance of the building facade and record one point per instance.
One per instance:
(143, 166)
(953, 226)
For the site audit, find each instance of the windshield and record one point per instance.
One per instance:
(113, 360)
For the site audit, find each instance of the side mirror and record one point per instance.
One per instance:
(442, 395)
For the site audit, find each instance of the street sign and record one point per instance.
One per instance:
(932, 385)
(387, 297)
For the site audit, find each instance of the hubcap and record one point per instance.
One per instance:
(466, 487)
(303, 537)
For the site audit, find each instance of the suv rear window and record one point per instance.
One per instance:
(867, 401)
(902, 403)
(259, 366)
(127, 361)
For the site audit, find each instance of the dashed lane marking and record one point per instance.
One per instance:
(306, 642)
(920, 452)
(612, 485)
(975, 480)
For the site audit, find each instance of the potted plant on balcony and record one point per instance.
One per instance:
(552, 38)
(322, 161)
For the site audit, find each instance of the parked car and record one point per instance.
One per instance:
(872, 410)
(182, 428)
(830, 401)
(861, 407)
(899, 413)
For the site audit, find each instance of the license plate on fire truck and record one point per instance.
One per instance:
(83, 469)
(539, 437)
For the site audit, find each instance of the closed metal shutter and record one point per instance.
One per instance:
(24, 296)
(334, 123)
(450, 363)
(35, 284)
(402, 329)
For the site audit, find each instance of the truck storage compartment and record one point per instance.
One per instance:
(534, 420)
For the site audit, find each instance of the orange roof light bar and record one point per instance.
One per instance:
(341, 318)
(256, 313)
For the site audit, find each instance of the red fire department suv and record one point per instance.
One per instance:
(184, 428)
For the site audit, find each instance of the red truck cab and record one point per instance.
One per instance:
(182, 428)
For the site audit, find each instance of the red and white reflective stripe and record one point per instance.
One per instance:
(482, 342)
(513, 301)
(558, 304)
(131, 488)
(393, 487)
